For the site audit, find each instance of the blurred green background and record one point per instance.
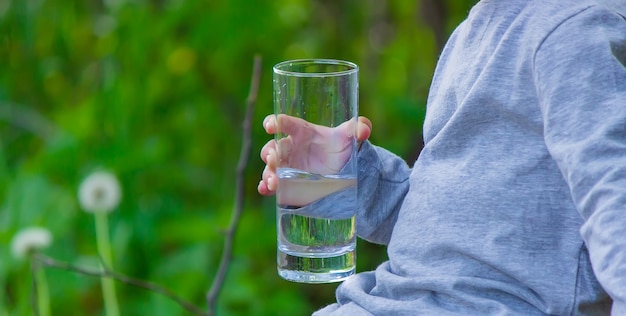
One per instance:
(154, 91)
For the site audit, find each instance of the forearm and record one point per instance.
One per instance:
(382, 185)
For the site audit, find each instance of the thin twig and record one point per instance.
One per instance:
(236, 214)
(49, 262)
(28, 119)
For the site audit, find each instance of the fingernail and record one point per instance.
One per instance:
(270, 183)
(260, 186)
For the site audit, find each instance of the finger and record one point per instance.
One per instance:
(269, 124)
(283, 149)
(268, 185)
(289, 124)
(269, 179)
(264, 190)
(271, 160)
(361, 132)
(363, 129)
(271, 145)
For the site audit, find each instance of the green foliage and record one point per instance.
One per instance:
(155, 91)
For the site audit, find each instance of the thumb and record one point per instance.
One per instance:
(363, 129)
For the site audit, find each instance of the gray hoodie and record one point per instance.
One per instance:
(517, 203)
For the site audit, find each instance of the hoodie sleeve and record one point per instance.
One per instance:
(382, 185)
(580, 70)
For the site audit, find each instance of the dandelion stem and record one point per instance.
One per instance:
(43, 296)
(104, 249)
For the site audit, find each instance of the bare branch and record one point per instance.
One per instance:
(44, 261)
(239, 193)
(28, 119)
(49, 262)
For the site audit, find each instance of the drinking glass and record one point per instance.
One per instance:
(317, 169)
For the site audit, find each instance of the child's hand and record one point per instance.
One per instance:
(307, 147)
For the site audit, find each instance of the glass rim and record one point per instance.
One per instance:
(352, 67)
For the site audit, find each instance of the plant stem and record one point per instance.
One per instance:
(49, 262)
(216, 286)
(104, 249)
(43, 296)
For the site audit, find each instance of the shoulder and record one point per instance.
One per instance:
(615, 6)
(586, 41)
(582, 22)
(552, 13)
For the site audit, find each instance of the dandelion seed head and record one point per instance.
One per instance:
(28, 240)
(99, 192)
